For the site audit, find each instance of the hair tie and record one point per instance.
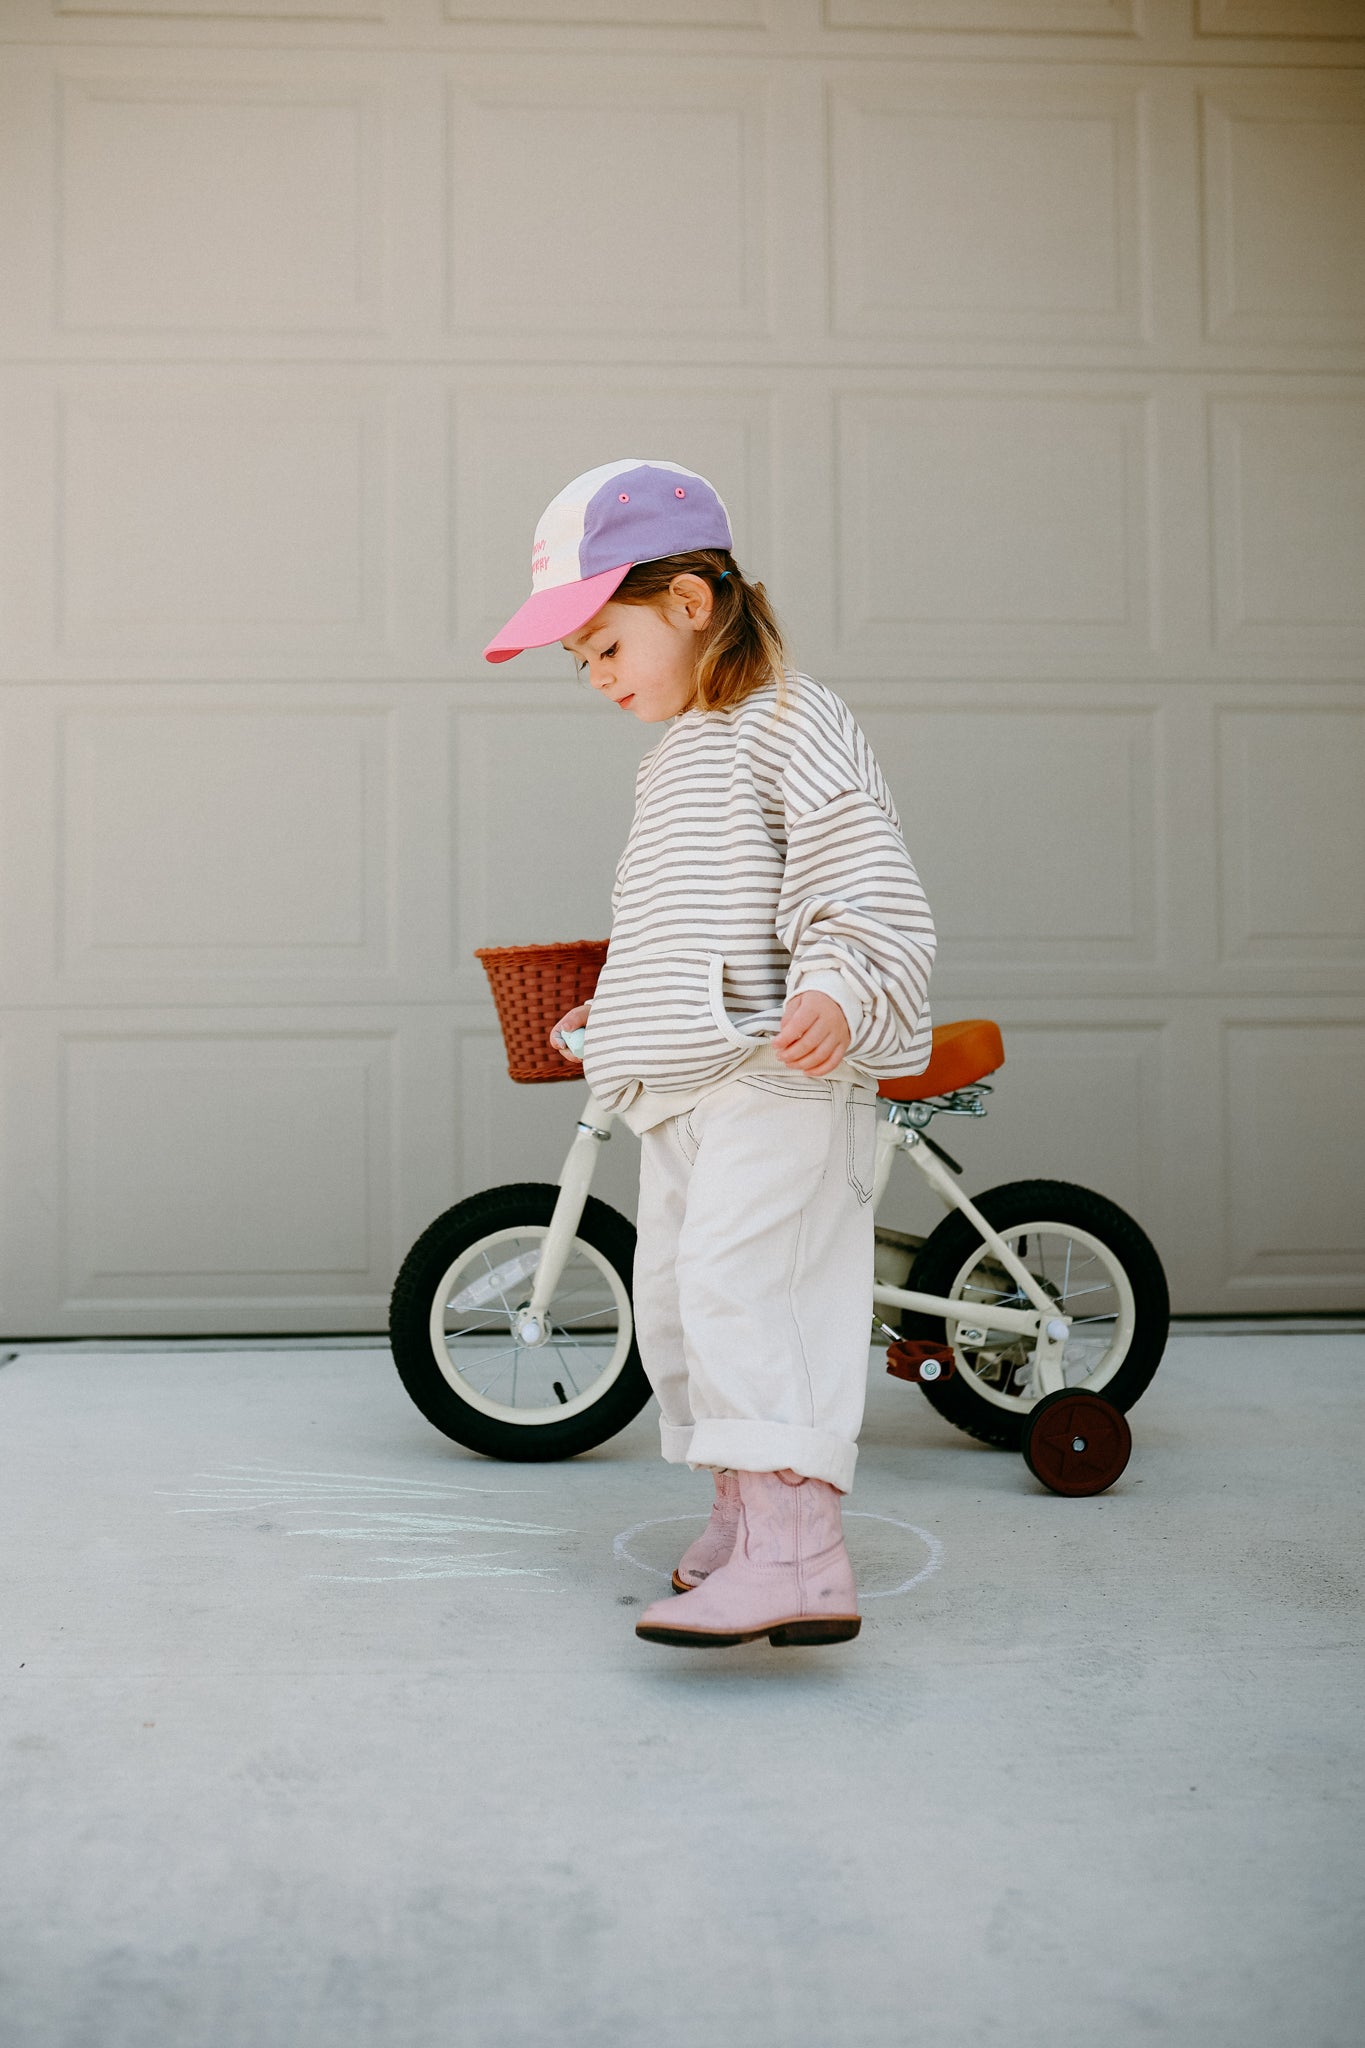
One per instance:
(723, 574)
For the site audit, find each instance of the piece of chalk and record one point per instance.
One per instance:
(574, 1040)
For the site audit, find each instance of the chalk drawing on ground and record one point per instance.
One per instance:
(621, 1549)
(361, 1507)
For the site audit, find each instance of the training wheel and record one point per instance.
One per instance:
(1076, 1442)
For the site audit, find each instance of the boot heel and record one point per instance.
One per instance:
(818, 1629)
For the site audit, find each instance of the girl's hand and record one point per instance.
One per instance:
(570, 1021)
(814, 1034)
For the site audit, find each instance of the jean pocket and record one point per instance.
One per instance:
(686, 1136)
(860, 1123)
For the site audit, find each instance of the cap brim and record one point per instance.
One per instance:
(549, 614)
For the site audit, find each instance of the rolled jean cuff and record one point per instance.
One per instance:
(770, 1446)
(675, 1442)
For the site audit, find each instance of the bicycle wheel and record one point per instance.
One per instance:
(1090, 1257)
(454, 1315)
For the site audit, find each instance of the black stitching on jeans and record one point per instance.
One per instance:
(864, 1194)
(775, 1085)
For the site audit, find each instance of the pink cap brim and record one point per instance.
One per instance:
(549, 614)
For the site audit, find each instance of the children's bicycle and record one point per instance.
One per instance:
(1033, 1318)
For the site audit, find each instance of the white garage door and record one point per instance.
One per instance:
(1024, 339)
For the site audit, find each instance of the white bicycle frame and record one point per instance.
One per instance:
(898, 1131)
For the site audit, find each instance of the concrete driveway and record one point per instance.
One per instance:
(321, 1732)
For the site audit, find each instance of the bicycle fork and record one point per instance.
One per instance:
(575, 1178)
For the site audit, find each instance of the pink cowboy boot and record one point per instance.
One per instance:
(788, 1577)
(716, 1540)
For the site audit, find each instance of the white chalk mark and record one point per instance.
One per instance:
(435, 1528)
(619, 1543)
(926, 1536)
(260, 1486)
(472, 1566)
(292, 1492)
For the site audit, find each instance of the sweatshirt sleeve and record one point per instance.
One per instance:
(851, 911)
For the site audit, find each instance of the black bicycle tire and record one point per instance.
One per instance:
(1045, 1202)
(501, 1208)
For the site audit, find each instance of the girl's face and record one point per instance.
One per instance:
(644, 657)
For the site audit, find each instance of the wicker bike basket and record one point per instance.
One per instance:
(533, 986)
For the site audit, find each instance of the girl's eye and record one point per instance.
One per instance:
(607, 652)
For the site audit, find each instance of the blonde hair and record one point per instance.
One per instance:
(742, 648)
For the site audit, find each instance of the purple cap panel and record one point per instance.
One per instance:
(646, 513)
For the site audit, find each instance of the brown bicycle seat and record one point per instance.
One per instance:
(961, 1054)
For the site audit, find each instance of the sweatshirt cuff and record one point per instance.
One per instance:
(831, 983)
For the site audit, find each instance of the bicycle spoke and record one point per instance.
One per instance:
(484, 1389)
(501, 1296)
(472, 1364)
(586, 1327)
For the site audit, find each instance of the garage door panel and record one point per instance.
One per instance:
(271, 222)
(1295, 1137)
(1033, 825)
(251, 10)
(222, 514)
(994, 521)
(241, 843)
(1337, 18)
(1291, 808)
(570, 222)
(614, 13)
(1036, 17)
(1288, 490)
(242, 1163)
(28, 524)
(988, 205)
(27, 188)
(1284, 228)
(516, 442)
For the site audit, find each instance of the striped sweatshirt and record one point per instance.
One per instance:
(765, 857)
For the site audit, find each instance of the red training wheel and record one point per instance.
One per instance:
(1076, 1442)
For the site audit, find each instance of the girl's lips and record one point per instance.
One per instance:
(623, 701)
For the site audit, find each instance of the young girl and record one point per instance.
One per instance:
(769, 960)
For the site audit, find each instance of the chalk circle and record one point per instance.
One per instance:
(931, 1543)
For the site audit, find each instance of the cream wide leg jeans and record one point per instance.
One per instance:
(753, 1274)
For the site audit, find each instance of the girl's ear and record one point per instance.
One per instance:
(693, 596)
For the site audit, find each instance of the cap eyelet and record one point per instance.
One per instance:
(625, 497)
(680, 492)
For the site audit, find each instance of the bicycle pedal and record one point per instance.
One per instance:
(916, 1358)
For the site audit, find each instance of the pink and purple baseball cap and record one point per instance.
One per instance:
(597, 529)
